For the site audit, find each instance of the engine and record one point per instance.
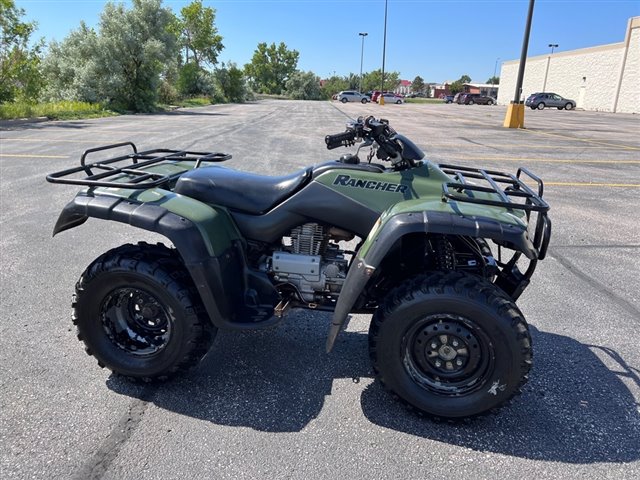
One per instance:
(311, 263)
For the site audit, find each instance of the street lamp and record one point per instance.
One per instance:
(362, 34)
(384, 50)
(495, 67)
(552, 46)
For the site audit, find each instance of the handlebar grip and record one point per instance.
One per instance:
(344, 139)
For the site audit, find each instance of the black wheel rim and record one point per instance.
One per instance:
(135, 321)
(448, 354)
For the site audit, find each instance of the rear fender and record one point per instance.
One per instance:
(205, 237)
(392, 226)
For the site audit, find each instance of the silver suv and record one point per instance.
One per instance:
(545, 99)
(352, 96)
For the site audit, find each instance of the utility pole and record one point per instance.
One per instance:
(362, 34)
(384, 49)
(515, 112)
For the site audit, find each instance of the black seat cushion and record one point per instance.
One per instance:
(237, 190)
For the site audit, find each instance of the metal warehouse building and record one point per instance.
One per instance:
(604, 78)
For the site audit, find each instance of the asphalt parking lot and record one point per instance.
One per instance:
(271, 404)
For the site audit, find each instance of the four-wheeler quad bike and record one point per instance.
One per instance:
(441, 254)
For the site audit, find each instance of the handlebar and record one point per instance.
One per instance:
(345, 139)
(389, 145)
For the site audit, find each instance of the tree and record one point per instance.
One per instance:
(271, 67)
(133, 48)
(458, 85)
(373, 80)
(304, 86)
(198, 34)
(71, 69)
(333, 85)
(418, 84)
(230, 84)
(19, 63)
(494, 80)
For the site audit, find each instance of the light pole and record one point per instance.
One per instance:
(552, 46)
(384, 50)
(495, 67)
(362, 34)
(515, 112)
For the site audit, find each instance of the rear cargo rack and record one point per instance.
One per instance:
(516, 195)
(515, 188)
(113, 172)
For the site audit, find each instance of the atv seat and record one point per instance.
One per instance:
(247, 192)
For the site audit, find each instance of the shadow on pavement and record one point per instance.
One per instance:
(574, 409)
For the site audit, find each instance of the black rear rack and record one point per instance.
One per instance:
(108, 172)
(515, 188)
(515, 195)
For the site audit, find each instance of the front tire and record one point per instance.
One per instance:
(450, 345)
(541, 106)
(139, 314)
(344, 100)
(568, 106)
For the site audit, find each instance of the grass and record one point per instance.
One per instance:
(64, 110)
(194, 102)
(423, 100)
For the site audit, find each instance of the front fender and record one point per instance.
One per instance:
(398, 222)
(203, 235)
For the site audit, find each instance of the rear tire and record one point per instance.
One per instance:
(138, 312)
(450, 345)
(364, 100)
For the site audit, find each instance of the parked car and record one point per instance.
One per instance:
(392, 98)
(459, 97)
(352, 96)
(376, 95)
(471, 98)
(448, 98)
(416, 95)
(546, 99)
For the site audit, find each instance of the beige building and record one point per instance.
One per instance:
(604, 78)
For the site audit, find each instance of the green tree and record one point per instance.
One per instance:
(458, 85)
(133, 49)
(198, 34)
(373, 80)
(230, 84)
(418, 84)
(304, 86)
(19, 63)
(270, 67)
(494, 80)
(333, 85)
(71, 67)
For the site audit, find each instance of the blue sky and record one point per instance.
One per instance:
(438, 40)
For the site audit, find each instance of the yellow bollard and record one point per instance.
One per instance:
(381, 100)
(515, 116)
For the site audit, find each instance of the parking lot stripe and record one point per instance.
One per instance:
(19, 155)
(592, 184)
(547, 160)
(612, 145)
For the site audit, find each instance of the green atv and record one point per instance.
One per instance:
(437, 253)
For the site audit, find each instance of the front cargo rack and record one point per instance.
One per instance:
(130, 170)
(516, 195)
